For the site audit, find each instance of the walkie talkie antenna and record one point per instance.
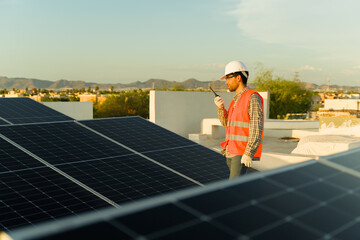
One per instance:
(216, 95)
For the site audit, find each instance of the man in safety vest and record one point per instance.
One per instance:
(244, 121)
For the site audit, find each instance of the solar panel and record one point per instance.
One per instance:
(109, 169)
(178, 153)
(30, 192)
(310, 200)
(26, 110)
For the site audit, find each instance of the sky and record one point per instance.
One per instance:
(123, 41)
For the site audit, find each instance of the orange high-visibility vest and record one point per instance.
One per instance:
(237, 130)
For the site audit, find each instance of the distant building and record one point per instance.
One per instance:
(13, 94)
(92, 98)
(36, 98)
(342, 104)
(355, 96)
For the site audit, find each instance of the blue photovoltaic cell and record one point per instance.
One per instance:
(259, 206)
(26, 110)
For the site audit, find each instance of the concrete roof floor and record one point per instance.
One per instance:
(277, 152)
(270, 144)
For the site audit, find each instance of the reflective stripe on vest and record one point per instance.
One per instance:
(237, 138)
(239, 124)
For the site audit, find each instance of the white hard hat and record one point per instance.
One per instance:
(233, 67)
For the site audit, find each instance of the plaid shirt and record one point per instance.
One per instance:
(256, 123)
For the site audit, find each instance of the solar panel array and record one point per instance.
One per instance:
(59, 168)
(310, 200)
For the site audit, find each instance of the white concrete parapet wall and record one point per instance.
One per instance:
(272, 128)
(290, 128)
(183, 111)
(76, 110)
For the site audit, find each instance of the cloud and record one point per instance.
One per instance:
(311, 68)
(304, 23)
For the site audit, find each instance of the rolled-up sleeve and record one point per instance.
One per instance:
(223, 116)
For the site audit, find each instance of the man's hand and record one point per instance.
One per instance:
(246, 160)
(219, 102)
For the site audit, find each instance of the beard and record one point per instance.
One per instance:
(231, 88)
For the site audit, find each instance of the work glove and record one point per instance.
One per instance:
(219, 102)
(246, 160)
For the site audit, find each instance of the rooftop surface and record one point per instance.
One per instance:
(270, 144)
(278, 152)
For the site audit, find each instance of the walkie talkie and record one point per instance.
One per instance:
(216, 95)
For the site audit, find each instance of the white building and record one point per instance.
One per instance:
(342, 104)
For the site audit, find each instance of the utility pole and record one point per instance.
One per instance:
(328, 84)
(296, 77)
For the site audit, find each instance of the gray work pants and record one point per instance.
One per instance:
(236, 167)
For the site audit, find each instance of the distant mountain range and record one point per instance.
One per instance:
(22, 83)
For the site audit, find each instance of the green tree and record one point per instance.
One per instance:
(178, 87)
(74, 98)
(163, 87)
(285, 96)
(133, 103)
